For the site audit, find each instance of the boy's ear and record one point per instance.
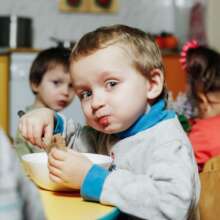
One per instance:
(34, 87)
(156, 84)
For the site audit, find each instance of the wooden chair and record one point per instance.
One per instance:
(209, 203)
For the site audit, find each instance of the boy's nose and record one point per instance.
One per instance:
(97, 102)
(65, 89)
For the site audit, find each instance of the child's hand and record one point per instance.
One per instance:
(37, 126)
(68, 167)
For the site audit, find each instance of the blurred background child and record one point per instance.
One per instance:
(19, 199)
(50, 82)
(202, 65)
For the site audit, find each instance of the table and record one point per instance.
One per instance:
(69, 206)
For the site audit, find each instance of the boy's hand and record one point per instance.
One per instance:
(37, 126)
(68, 167)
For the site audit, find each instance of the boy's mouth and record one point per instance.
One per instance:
(62, 103)
(103, 121)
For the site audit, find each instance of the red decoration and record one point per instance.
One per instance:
(73, 3)
(188, 45)
(104, 3)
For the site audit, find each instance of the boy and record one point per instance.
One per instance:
(51, 84)
(117, 73)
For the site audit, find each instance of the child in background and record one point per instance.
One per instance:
(118, 75)
(50, 82)
(202, 65)
(19, 199)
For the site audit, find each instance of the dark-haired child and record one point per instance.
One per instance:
(202, 65)
(51, 84)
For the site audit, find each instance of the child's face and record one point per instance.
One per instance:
(113, 93)
(55, 90)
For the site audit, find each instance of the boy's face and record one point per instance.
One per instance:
(113, 93)
(55, 90)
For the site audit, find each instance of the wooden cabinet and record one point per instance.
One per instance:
(174, 74)
(14, 68)
(4, 91)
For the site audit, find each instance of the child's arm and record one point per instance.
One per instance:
(38, 126)
(166, 188)
(164, 191)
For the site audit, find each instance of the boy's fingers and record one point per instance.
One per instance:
(25, 130)
(22, 127)
(55, 178)
(54, 171)
(54, 162)
(57, 154)
(48, 133)
(37, 135)
(30, 135)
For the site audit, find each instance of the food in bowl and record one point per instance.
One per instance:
(57, 141)
(35, 165)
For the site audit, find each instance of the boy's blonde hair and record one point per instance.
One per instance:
(140, 47)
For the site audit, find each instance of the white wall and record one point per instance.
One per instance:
(213, 27)
(150, 15)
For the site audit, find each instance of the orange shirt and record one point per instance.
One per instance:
(205, 138)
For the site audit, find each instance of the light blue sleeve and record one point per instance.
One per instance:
(93, 183)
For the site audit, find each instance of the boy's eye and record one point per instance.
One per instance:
(56, 82)
(111, 84)
(85, 95)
